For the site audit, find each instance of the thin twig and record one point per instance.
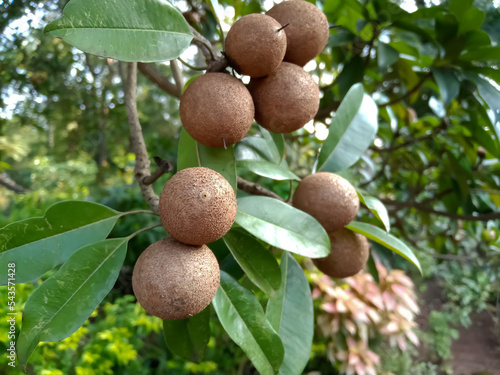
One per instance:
(411, 141)
(192, 67)
(158, 79)
(408, 93)
(430, 210)
(164, 166)
(256, 189)
(143, 230)
(142, 164)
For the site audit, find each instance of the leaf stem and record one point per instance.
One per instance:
(192, 67)
(143, 230)
(203, 43)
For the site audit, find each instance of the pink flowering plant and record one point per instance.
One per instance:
(355, 312)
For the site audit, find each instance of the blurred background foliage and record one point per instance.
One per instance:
(434, 163)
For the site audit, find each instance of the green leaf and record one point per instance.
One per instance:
(243, 318)
(283, 226)
(351, 131)
(256, 148)
(446, 27)
(188, 338)
(276, 143)
(127, 30)
(192, 154)
(352, 73)
(39, 244)
(490, 53)
(291, 314)
(377, 208)
(386, 56)
(385, 239)
(64, 301)
(472, 19)
(483, 138)
(258, 264)
(268, 169)
(449, 85)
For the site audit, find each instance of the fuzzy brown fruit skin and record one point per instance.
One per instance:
(172, 280)
(215, 109)
(329, 198)
(349, 254)
(286, 99)
(197, 206)
(307, 32)
(255, 45)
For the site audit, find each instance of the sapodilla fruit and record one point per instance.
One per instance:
(197, 206)
(255, 45)
(307, 31)
(286, 99)
(172, 280)
(349, 254)
(216, 110)
(329, 198)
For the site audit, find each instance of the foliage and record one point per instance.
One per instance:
(356, 313)
(426, 167)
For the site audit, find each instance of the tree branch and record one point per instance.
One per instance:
(178, 77)
(12, 185)
(408, 93)
(155, 76)
(256, 189)
(435, 131)
(430, 210)
(164, 166)
(142, 164)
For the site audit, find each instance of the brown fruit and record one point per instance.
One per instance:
(329, 198)
(286, 99)
(216, 110)
(349, 254)
(255, 45)
(307, 31)
(172, 280)
(197, 206)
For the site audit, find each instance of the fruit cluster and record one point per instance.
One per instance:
(217, 109)
(334, 202)
(177, 277)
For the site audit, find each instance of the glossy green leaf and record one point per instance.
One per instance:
(449, 85)
(351, 131)
(243, 318)
(192, 154)
(226, 260)
(291, 314)
(386, 56)
(127, 30)
(258, 264)
(276, 143)
(283, 226)
(490, 53)
(39, 244)
(377, 208)
(64, 301)
(483, 138)
(385, 239)
(256, 148)
(268, 169)
(188, 338)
